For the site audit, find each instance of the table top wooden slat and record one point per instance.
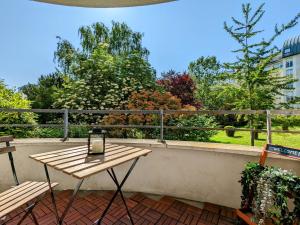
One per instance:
(63, 164)
(65, 154)
(98, 168)
(76, 162)
(56, 151)
(100, 160)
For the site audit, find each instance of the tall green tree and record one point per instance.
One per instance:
(120, 40)
(252, 68)
(206, 72)
(252, 71)
(41, 95)
(109, 65)
(10, 98)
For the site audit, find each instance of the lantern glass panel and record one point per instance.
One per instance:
(96, 142)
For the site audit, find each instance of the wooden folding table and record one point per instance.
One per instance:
(77, 163)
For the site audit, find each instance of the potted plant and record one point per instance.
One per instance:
(265, 194)
(230, 131)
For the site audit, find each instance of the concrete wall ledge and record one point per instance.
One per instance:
(206, 172)
(150, 143)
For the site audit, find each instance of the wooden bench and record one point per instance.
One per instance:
(27, 194)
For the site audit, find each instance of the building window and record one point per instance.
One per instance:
(289, 64)
(289, 98)
(289, 72)
(277, 66)
(291, 86)
(286, 51)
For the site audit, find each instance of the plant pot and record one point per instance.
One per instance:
(230, 132)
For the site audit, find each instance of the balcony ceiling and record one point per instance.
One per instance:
(104, 3)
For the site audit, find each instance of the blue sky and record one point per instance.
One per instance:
(175, 33)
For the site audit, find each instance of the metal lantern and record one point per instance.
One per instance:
(96, 142)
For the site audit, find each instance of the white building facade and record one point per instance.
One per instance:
(289, 64)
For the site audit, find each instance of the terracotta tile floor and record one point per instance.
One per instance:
(166, 210)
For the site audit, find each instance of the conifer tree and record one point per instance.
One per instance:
(251, 70)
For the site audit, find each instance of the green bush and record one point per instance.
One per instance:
(47, 133)
(11, 99)
(79, 132)
(286, 121)
(199, 121)
(230, 132)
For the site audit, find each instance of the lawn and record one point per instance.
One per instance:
(243, 138)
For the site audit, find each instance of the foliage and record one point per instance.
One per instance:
(41, 94)
(102, 74)
(45, 132)
(249, 182)
(194, 121)
(286, 121)
(102, 85)
(181, 86)
(12, 99)
(120, 41)
(251, 70)
(207, 72)
(155, 100)
(145, 100)
(271, 188)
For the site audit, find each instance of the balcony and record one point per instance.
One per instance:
(185, 182)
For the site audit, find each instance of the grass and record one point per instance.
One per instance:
(243, 138)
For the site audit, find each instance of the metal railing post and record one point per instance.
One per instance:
(66, 124)
(161, 112)
(269, 127)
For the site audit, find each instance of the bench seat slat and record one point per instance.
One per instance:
(19, 189)
(7, 149)
(6, 138)
(24, 198)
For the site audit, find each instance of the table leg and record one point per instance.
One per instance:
(70, 201)
(114, 177)
(51, 193)
(119, 189)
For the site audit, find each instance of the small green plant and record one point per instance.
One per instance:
(230, 131)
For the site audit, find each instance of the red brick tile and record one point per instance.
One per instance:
(88, 208)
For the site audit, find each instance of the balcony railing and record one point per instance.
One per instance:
(161, 113)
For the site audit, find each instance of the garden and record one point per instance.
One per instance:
(110, 70)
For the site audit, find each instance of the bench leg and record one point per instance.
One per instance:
(30, 211)
(119, 190)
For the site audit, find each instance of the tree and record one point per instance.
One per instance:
(251, 70)
(120, 40)
(181, 86)
(102, 74)
(206, 72)
(11, 99)
(41, 95)
(145, 100)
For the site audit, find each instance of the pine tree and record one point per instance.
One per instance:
(252, 70)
